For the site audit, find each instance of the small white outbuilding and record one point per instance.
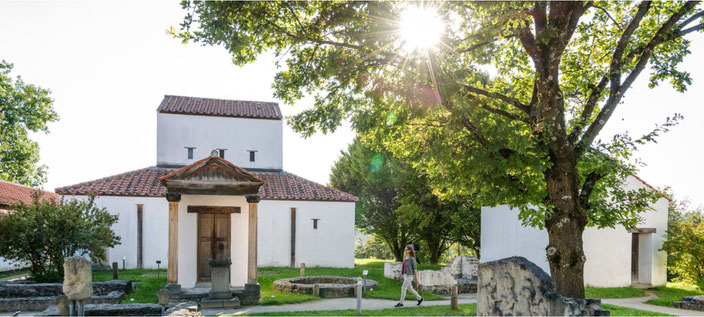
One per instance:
(616, 257)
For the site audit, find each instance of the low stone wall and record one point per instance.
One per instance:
(517, 287)
(691, 302)
(39, 296)
(114, 310)
(12, 289)
(323, 286)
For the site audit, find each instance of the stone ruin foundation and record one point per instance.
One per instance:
(460, 272)
(517, 287)
(691, 302)
(323, 286)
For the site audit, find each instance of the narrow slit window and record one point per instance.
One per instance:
(222, 153)
(190, 152)
(315, 223)
(252, 155)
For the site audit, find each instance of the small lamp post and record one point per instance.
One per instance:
(123, 262)
(158, 263)
(364, 281)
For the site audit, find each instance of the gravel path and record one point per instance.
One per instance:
(332, 304)
(15, 277)
(639, 303)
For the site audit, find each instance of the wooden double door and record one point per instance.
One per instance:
(213, 241)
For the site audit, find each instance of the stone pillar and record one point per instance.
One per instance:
(172, 279)
(253, 201)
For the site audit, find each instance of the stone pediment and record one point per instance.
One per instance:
(212, 176)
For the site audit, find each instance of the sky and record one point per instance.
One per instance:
(109, 64)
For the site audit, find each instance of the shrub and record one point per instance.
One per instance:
(44, 232)
(685, 246)
(371, 247)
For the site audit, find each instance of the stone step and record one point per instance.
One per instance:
(210, 303)
(114, 310)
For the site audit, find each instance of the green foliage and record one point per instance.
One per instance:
(354, 62)
(375, 178)
(398, 206)
(669, 294)
(371, 247)
(613, 292)
(24, 108)
(684, 245)
(45, 232)
(525, 135)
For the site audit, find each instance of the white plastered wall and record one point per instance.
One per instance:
(331, 245)
(155, 234)
(608, 250)
(175, 132)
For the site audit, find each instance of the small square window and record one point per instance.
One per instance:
(190, 152)
(315, 223)
(222, 153)
(252, 155)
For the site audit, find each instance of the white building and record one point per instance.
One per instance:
(615, 256)
(218, 191)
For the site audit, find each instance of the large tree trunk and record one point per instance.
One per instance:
(566, 221)
(565, 225)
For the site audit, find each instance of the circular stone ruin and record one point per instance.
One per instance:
(323, 286)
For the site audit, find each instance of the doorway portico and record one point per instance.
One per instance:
(213, 211)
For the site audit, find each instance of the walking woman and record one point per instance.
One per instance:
(409, 273)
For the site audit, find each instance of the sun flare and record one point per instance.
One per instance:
(420, 28)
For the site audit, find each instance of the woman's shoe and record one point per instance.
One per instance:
(399, 305)
(420, 301)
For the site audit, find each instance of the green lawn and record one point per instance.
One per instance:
(388, 288)
(444, 310)
(613, 292)
(13, 273)
(673, 292)
(625, 311)
(145, 283)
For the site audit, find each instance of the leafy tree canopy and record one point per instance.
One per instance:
(24, 108)
(45, 232)
(509, 104)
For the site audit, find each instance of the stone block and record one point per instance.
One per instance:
(392, 270)
(164, 296)
(210, 303)
(220, 278)
(517, 287)
(691, 303)
(188, 308)
(78, 276)
(62, 305)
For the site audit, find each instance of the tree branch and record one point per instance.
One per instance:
(588, 187)
(503, 113)
(608, 15)
(512, 101)
(616, 94)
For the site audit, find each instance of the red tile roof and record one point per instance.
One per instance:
(652, 188)
(11, 193)
(219, 107)
(217, 158)
(280, 185)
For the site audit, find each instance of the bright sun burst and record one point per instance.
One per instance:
(420, 28)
